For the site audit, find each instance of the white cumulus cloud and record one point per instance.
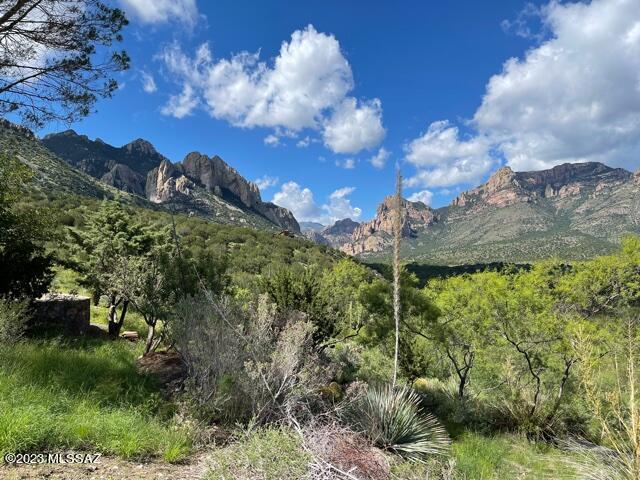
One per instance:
(340, 207)
(265, 182)
(162, 11)
(444, 159)
(574, 97)
(354, 127)
(379, 160)
(423, 196)
(305, 87)
(300, 201)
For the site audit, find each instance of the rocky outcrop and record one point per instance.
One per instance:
(506, 187)
(19, 129)
(98, 158)
(166, 183)
(169, 182)
(316, 237)
(341, 227)
(340, 232)
(415, 216)
(636, 177)
(219, 178)
(502, 189)
(376, 235)
(138, 168)
(123, 178)
(278, 215)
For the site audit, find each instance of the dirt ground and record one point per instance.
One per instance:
(109, 468)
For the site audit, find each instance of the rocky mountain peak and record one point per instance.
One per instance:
(168, 182)
(69, 133)
(375, 235)
(502, 178)
(341, 227)
(571, 173)
(216, 176)
(141, 147)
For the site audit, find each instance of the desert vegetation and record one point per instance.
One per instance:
(287, 353)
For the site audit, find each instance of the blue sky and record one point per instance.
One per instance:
(319, 100)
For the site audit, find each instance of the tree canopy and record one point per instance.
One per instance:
(24, 263)
(56, 57)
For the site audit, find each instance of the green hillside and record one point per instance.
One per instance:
(54, 177)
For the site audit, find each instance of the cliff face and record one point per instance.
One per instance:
(339, 233)
(506, 187)
(166, 183)
(125, 179)
(175, 182)
(279, 215)
(138, 168)
(121, 167)
(376, 235)
(219, 178)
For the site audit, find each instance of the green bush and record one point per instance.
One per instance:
(392, 420)
(14, 315)
(364, 364)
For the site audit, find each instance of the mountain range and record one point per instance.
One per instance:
(570, 211)
(199, 184)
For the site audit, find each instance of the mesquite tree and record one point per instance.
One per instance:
(144, 281)
(56, 57)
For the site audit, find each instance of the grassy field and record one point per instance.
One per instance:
(84, 395)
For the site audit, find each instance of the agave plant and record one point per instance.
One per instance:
(392, 419)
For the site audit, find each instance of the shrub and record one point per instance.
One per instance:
(393, 420)
(245, 363)
(14, 315)
(356, 362)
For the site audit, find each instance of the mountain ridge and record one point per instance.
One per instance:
(571, 211)
(138, 168)
(54, 176)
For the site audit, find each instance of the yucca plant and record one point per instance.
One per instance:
(593, 462)
(393, 420)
